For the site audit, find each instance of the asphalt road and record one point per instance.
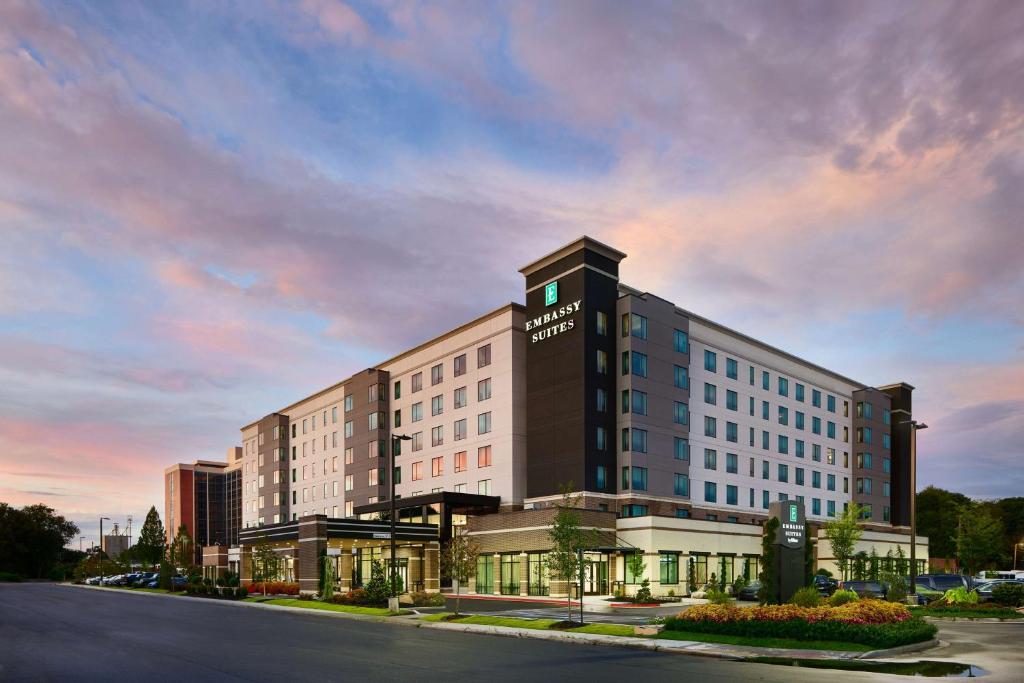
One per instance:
(62, 633)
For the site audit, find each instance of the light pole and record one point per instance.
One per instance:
(100, 555)
(915, 426)
(396, 439)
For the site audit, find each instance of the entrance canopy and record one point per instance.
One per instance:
(371, 529)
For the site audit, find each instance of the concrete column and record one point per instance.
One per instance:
(312, 544)
(245, 567)
(345, 570)
(524, 575)
(432, 568)
(496, 568)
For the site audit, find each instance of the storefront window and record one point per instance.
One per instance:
(536, 564)
(485, 574)
(669, 564)
(510, 574)
(700, 569)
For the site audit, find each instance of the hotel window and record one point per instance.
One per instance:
(639, 440)
(460, 429)
(633, 511)
(783, 415)
(669, 568)
(483, 487)
(751, 406)
(681, 341)
(305, 426)
(349, 402)
(417, 382)
(417, 441)
(710, 361)
(638, 326)
(625, 478)
(799, 448)
(682, 485)
(816, 425)
(764, 469)
(625, 363)
(815, 506)
(863, 434)
(710, 492)
(886, 441)
(334, 464)
(349, 505)
(294, 427)
(334, 442)
(710, 459)
(783, 386)
(601, 477)
(866, 512)
(371, 396)
(602, 362)
(710, 426)
(437, 466)
(732, 432)
(731, 399)
(886, 416)
(765, 410)
(639, 478)
(731, 368)
(864, 461)
(815, 398)
(483, 356)
(732, 463)
(417, 411)
(886, 490)
(602, 401)
(375, 477)
(731, 495)
(783, 444)
(830, 456)
(751, 437)
(437, 405)
(799, 420)
(349, 456)
(867, 485)
(799, 393)
(831, 508)
(375, 421)
(625, 439)
(831, 407)
(764, 499)
(639, 364)
(277, 433)
(437, 436)
(799, 476)
(417, 471)
(710, 393)
(348, 429)
(348, 482)
(682, 513)
(602, 439)
(639, 403)
(682, 448)
(815, 479)
(459, 398)
(831, 482)
(459, 365)
(397, 474)
(483, 423)
(398, 390)
(846, 409)
(277, 476)
(396, 419)
(602, 323)
(783, 473)
(764, 440)
(766, 382)
(437, 374)
(460, 461)
(483, 389)
(886, 465)
(681, 376)
(846, 434)
(751, 375)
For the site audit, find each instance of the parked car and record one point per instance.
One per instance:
(92, 581)
(985, 590)
(145, 578)
(749, 592)
(176, 581)
(826, 586)
(943, 582)
(866, 589)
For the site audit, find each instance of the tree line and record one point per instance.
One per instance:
(979, 534)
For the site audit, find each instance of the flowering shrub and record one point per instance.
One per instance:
(357, 596)
(274, 588)
(871, 622)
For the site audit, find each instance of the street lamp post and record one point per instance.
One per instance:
(100, 554)
(396, 439)
(914, 427)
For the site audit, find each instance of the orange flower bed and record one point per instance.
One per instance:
(859, 612)
(275, 588)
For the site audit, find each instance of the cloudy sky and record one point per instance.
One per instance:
(212, 209)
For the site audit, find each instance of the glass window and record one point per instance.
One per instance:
(639, 364)
(783, 473)
(437, 374)
(417, 382)
(682, 343)
(710, 361)
(783, 415)
(459, 365)
(731, 495)
(710, 459)
(710, 492)
(483, 389)
(731, 368)
(682, 485)
(417, 441)
(732, 432)
(460, 461)
(765, 410)
(799, 420)
(349, 429)
(602, 477)
(815, 398)
(416, 411)
(799, 393)
(602, 439)
(602, 401)
(639, 440)
(437, 405)
(681, 376)
(602, 362)
(766, 382)
(437, 466)
(764, 499)
(816, 425)
(831, 482)
(764, 440)
(764, 469)
(483, 356)
(886, 416)
(460, 429)
(710, 393)
(681, 413)
(799, 476)
(602, 323)
(831, 404)
(483, 423)
(638, 327)
(799, 448)
(668, 565)
(831, 429)
(783, 444)
(398, 390)
(831, 508)
(639, 406)
(886, 441)
(783, 386)
(682, 448)
(710, 426)
(731, 399)
(460, 400)
(732, 463)
(639, 478)
(483, 456)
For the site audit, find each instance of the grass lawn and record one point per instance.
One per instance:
(967, 613)
(535, 624)
(786, 643)
(327, 606)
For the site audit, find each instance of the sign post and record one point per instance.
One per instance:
(790, 541)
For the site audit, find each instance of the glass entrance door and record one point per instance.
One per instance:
(596, 574)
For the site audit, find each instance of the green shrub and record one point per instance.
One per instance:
(1009, 594)
(718, 597)
(841, 597)
(643, 593)
(960, 596)
(424, 599)
(824, 572)
(913, 630)
(806, 597)
(9, 576)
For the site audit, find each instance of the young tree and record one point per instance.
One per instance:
(152, 540)
(266, 563)
(637, 567)
(458, 560)
(568, 538)
(842, 534)
(979, 538)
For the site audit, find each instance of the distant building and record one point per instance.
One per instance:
(115, 544)
(206, 497)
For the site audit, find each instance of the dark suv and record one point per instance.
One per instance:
(866, 589)
(826, 586)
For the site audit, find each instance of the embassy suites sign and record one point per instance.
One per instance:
(555, 321)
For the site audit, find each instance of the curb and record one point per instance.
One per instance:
(980, 620)
(899, 650)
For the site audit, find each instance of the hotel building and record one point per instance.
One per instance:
(676, 431)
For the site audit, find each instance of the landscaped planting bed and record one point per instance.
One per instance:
(869, 622)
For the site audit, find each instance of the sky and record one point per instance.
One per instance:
(211, 209)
